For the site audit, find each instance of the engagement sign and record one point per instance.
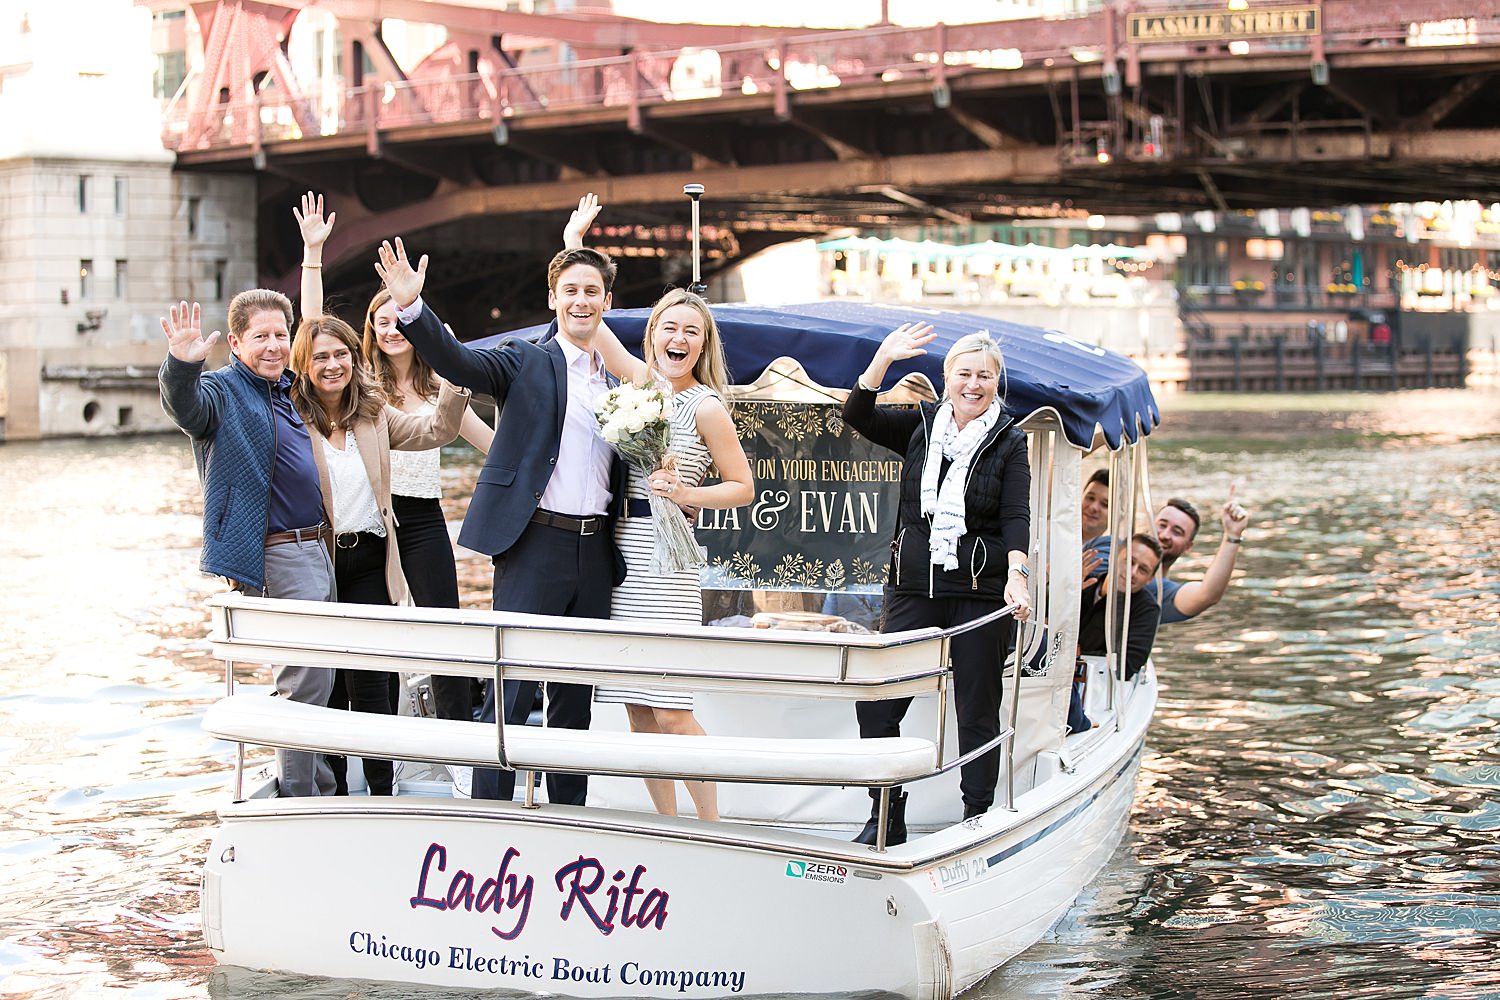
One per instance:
(824, 510)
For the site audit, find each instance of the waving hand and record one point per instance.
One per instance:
(403, 281)
(184, 329)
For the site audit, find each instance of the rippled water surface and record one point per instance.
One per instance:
(1317, 816)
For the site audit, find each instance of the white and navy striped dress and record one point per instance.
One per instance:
(643, 595)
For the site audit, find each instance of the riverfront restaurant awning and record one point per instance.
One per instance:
(834, 341)
(929, 250)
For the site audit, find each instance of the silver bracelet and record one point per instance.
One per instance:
(859, 384)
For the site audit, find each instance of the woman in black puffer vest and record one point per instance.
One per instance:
(962, 532)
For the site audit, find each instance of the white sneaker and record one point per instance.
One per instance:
(463, 781)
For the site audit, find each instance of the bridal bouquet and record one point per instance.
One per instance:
(636, 421)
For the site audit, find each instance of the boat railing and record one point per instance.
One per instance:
(503, 646)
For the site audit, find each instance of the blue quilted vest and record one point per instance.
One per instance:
(227, 413)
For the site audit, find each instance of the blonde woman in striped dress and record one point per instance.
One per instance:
(682, 348)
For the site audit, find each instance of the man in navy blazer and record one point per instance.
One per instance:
(545, 505)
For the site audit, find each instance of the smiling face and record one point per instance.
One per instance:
(677, 342)
(1175, 531)
(266, 345)
(388, 338)
(972, 379)
(1142, 569)
(579, 300)
(330, 367)
(1095, 510)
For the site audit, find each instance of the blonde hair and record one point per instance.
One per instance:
(423, 379)
(360, 397)
(976, 343)
(711, 369)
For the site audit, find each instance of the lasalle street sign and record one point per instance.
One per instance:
(1211, 25)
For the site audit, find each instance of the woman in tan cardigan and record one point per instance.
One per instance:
(353, 431)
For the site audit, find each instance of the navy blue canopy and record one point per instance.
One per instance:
(834, 342)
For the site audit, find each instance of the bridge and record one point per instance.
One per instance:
(1134, 108)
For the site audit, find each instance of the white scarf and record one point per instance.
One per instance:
(946, 506)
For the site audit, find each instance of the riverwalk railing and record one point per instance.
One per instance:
(1280, 364)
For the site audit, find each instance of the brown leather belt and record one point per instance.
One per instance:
(321, 533)
(577, 525)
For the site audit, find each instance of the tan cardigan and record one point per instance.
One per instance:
(391, 428)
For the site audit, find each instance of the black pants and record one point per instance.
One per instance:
(976, 658)
(432, 578)
(359, 573)
(549, 571)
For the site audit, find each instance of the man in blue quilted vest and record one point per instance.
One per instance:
(265, 528)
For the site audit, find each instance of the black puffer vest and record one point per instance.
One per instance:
(997, 515)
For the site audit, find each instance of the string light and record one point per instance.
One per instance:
(1423, 268)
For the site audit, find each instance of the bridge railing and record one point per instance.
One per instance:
(778, 66)
(781, 66)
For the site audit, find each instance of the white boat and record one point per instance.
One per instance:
(613, 900)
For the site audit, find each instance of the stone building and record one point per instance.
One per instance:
(97, 235)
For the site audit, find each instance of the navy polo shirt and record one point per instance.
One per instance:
(296, 499)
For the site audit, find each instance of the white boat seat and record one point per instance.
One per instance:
(277, 722)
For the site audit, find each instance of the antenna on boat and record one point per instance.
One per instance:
(695, 191)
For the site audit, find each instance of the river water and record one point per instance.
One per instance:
(1317, 814)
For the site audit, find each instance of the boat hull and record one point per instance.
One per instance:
(598, 903)
(476, 898)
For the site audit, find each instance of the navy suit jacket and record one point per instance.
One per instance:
(530, 385)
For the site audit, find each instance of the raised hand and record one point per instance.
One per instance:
(1233, 516)
(906, 341)
(909, 340)
(315, 228)
(1092, 560)
(579, 222)
(402, 280)
(184, 329)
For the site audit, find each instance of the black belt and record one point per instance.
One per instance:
(349, 539)
(577, 525)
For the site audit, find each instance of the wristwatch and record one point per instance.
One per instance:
(1021, 568)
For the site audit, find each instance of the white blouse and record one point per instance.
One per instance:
(354, 505)
(418, 473)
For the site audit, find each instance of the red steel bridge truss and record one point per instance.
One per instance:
(1136, 107)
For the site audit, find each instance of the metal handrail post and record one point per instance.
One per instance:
(529, 800)
(1129, 592)
(942, 716)
(498, 695)
(1015, 706)
(885, 812)
(1110, 606)
(239, 748)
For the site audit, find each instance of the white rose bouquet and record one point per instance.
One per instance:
(636, 421)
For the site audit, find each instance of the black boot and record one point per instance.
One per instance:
(895, 826)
